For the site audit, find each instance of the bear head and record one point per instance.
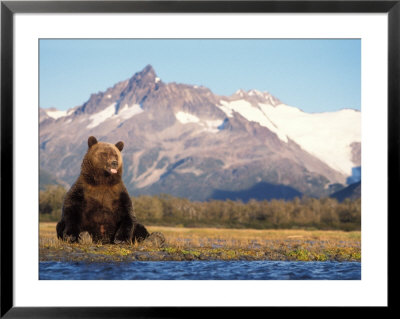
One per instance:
(102, 163)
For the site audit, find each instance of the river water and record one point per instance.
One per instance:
(201, 270)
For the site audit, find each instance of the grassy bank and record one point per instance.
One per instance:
(210, 244)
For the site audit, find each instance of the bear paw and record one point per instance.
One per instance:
(155, 240)
(85, 238)
(121, 241)
(71, 238)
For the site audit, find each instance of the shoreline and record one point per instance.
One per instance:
(124, 254)
(206, 244)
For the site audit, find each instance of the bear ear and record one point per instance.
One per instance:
(91, 141)
(120, 145)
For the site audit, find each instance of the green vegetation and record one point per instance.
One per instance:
(210, 244)
(50, 202)
(165, 210)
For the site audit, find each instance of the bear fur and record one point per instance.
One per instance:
(98, 202)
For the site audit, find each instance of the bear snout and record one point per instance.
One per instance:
(114, 164)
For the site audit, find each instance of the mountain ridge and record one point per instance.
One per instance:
(233, 142)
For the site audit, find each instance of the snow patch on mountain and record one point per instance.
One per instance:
(251, 113)
(127, 112)
(325, 135)
(212, 126)
(101, 116)
(56, 114)
(109, 114)
(224, 106)
(186, 118)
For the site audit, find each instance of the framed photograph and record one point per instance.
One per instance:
(162, 155)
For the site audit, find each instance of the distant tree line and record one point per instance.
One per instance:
(165, 210)
(50, 202)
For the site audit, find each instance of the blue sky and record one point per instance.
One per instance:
(314, 75)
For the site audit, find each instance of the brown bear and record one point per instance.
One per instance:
(98, 202)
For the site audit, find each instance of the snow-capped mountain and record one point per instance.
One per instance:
(186, 141)
(328, 136)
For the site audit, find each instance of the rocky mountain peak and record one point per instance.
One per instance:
(131, 91)
(148, 69)
(146, 76)
(255, 97)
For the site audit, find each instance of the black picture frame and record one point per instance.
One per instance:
(9, 8)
